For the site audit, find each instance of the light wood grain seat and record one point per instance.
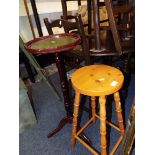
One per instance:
(97, 80)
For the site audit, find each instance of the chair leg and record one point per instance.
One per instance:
(102, 101)
(119, 112)
(93, 106)
(75, 117)
(127, 74)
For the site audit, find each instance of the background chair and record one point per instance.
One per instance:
(79, 54)
(120, 8)
(119, 25)
(116, 46)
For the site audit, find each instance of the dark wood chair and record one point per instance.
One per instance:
(119, 28)
(119, 43)
(120, 10)
(79, 54)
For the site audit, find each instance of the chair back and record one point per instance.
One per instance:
(60, 23)
(70, 27)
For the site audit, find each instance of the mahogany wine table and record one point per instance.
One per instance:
(57, 44)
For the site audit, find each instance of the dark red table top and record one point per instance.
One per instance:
(53, 43)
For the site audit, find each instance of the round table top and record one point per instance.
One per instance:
(97, 80)
(53, 43)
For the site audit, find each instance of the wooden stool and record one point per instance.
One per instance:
(97, 80)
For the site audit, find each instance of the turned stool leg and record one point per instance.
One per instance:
(75, 117)
(119, 112)
(93, 105)
(102, 100)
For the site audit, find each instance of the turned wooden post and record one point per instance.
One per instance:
(96, 24)
(64, 83)
(119, 112)
(93, 106)
(75, 117)
(102, 101)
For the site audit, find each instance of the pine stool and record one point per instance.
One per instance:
(97, 80)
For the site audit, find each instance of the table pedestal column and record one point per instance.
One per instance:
(66, 96)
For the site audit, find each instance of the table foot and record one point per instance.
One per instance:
(62, 123)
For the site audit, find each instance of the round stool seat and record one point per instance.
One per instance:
(97, 80)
